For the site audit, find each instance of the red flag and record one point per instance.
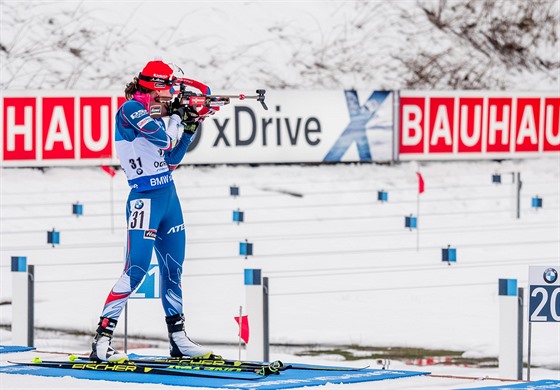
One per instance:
(243, 327)
(109, 170)
(420, 183)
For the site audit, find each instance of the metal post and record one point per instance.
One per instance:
(418, 222)
(113, 209)
(520, 333)
(254, 309)
(22, 302)
(518, 175)
(126, 327)
(31, 305)
(266, 346)
(240, 329)
(509, 333)
(396, 124)
(529, 353)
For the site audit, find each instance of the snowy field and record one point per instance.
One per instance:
(342, 268)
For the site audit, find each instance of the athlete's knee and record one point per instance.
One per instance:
(136, 275)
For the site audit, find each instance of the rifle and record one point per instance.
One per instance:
(189, 98)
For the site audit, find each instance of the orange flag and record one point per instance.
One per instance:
(243, 322)
(420, 183)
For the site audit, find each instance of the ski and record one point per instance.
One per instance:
(208, 364)
(217, 361)
(214, 362)
(131, 367)
(321, 368)
(199, 366)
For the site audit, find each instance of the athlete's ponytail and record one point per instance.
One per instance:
(132, 88)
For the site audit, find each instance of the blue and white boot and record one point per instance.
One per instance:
(101, 349)
(179, 343)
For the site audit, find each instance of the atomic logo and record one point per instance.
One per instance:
(138, 205)
(550, 275)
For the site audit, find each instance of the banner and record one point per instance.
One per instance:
(72, 128)
(44, 128)
(447, 125)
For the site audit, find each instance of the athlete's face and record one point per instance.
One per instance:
(161, 96)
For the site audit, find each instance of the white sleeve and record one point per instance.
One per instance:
(173, 126)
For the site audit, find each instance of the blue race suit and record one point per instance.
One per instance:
(149, 152)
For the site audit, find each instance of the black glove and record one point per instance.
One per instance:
(188, 114)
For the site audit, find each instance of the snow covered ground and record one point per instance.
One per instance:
(442, 377)
(342, 268)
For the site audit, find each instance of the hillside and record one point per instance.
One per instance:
(436, 44)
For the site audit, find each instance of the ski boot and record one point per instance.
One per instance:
(101, 349)
(179, 343)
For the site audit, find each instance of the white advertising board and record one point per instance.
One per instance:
(45, 128)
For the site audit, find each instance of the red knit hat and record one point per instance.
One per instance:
(156, 75)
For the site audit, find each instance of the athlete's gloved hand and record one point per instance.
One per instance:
(187, 114)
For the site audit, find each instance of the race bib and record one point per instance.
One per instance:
(139, 218)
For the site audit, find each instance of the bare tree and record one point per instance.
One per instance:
(349, 49)
(436, 44)
(62, 47)
(483, 43)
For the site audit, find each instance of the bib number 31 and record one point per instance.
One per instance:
(139, 218)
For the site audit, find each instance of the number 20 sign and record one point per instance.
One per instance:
(544, 289)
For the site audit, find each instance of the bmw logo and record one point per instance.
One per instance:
(139, 204)
(139, 171)
(550, 275)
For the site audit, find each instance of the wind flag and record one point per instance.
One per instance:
(243, 322)
(109, 170)
(420, 183)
